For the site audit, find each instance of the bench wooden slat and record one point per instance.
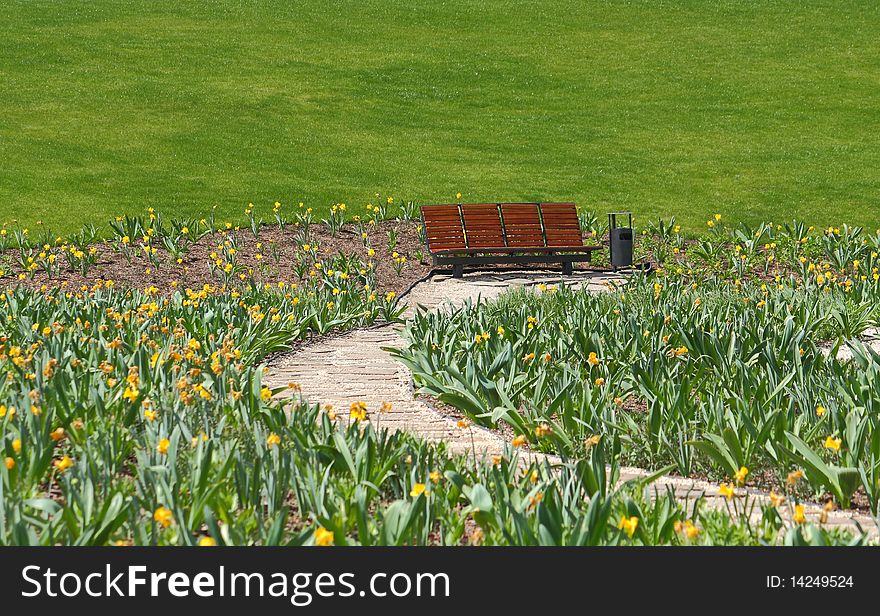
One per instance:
(443, 219)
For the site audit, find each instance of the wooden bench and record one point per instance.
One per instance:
(484, 233)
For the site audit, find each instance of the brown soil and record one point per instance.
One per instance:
(194, 270)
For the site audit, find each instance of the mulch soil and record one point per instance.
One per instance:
(194, 270)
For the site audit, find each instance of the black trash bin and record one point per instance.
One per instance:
(620, 241)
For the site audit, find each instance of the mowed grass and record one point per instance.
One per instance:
(758, 110)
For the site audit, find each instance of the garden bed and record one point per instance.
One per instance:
(265, 257)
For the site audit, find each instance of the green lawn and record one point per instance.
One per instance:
(755, 109)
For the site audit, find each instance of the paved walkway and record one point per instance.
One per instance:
(352, 367)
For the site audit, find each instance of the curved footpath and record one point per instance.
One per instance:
(352, 367)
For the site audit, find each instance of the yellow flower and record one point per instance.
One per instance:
(10, 463)
(435, 477)
(207, 542)
(417, 490)
(799, 517)
(131, 393)
(820, 411)
(462, 423)
(519, 441)
(162, 447)
(826, 509)
(63, 464)
(163, 516)
(832, 443)
(16, 446)
(265, 394)
(629, 525)
(776, 499)
(57, 434)
(688, 529)
(542, 430)
(741, 475)
(793, 477)
(593, 359)
(323, 537)
(534, 500)
(150, 415)
(726, 491)
(358, 411)
(272, 440)
(600, 382)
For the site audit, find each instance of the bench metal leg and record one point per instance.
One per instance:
(567, 269)
(457, 271)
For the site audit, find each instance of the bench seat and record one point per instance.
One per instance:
(485, 233)
(517, 249)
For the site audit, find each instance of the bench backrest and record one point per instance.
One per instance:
(522, 224)
(443, 227)
(501, 225)
(482, 225)
(561, 224)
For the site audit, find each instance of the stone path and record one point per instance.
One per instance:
(439, 292)
(352, 367)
